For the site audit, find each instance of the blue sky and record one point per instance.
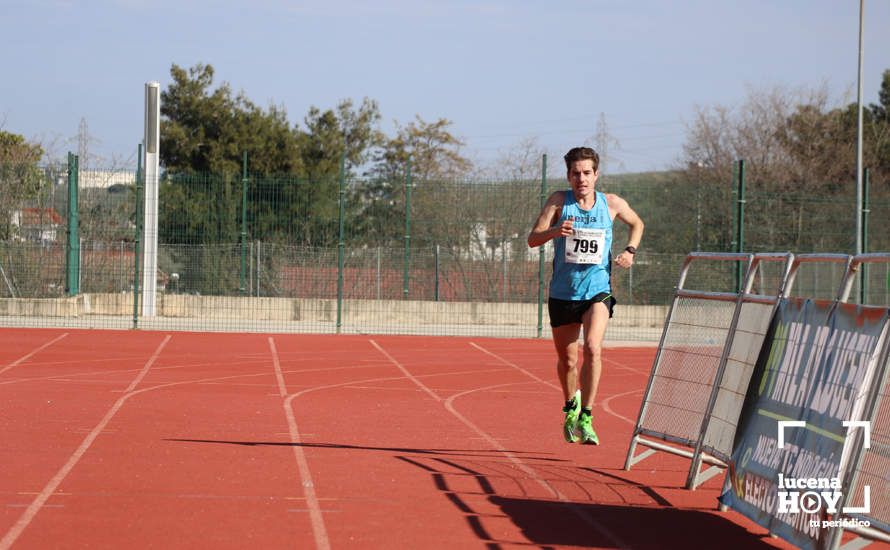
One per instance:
(502, 71)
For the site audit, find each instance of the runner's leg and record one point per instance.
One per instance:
(595, 320)
(565, 340)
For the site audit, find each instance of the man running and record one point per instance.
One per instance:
(580, 221)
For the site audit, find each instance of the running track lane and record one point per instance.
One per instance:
(404, 442)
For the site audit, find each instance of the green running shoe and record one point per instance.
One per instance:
(588, 436)
(570, 427)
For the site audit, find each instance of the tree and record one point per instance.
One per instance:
(204, 130)
(800, 154)
(15, 149)
(880, 129)
(519, 162)
(20, 178)
(207, 130)
(720, 135)
(791, 139)
(434, 152)
(332, 133)
(753, 131)
(436, 160)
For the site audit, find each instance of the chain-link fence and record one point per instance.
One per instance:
(256, 252)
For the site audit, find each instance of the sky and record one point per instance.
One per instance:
(503, 71)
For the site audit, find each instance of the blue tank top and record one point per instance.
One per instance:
(582, 263)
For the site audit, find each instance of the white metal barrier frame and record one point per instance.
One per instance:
(795, 263)
(753, 316)
(713, 442)
(727, 392)
(852, 479)
(801, 259)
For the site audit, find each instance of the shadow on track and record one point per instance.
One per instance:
(345, 446)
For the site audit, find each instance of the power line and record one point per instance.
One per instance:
(519, 133)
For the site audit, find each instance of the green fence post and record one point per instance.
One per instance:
(541, 252)
(504, 269)
(244, 226)
(436, 252)
(740, 224)
(407, 228)
(73, 252)
(341, 244)
(138, 237)
(67, 277)
(863, 273)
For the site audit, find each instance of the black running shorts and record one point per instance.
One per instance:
(567, 312)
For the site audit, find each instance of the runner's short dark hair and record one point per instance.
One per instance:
(582, 153)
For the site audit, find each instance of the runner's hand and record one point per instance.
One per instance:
(565, 230)
(625, 259)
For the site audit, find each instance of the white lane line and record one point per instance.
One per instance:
(604, 404)
(50, 488)
(314, 507)
(515, 366)
(32, 353)
(606, 407)
(276, 362)
(405, 371)
(449, 405)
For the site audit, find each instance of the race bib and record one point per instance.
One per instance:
(585, 246)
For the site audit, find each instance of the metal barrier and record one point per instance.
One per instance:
(745, 351)
(713, 385)
(753, 315)
(687, 377)
(706, 356)
(865, 478)
(801, 259)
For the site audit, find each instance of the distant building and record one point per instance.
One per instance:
(103, 179)
(510, 248)
(36, 224)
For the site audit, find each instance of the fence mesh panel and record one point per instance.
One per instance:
(751, 328)
(683, 376)
(875, 465)
(435, 242)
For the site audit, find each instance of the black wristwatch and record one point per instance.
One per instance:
(631, 249)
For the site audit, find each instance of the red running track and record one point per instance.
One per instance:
(137, 439)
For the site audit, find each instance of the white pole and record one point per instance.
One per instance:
(378, 272)
(859, 138)
(152, 169)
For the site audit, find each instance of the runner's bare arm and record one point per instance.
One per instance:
(619, 208)
(543, 229)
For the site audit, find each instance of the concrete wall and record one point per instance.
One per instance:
(357, 312)
(44, 307)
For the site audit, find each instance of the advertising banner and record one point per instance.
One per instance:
(799, 418)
